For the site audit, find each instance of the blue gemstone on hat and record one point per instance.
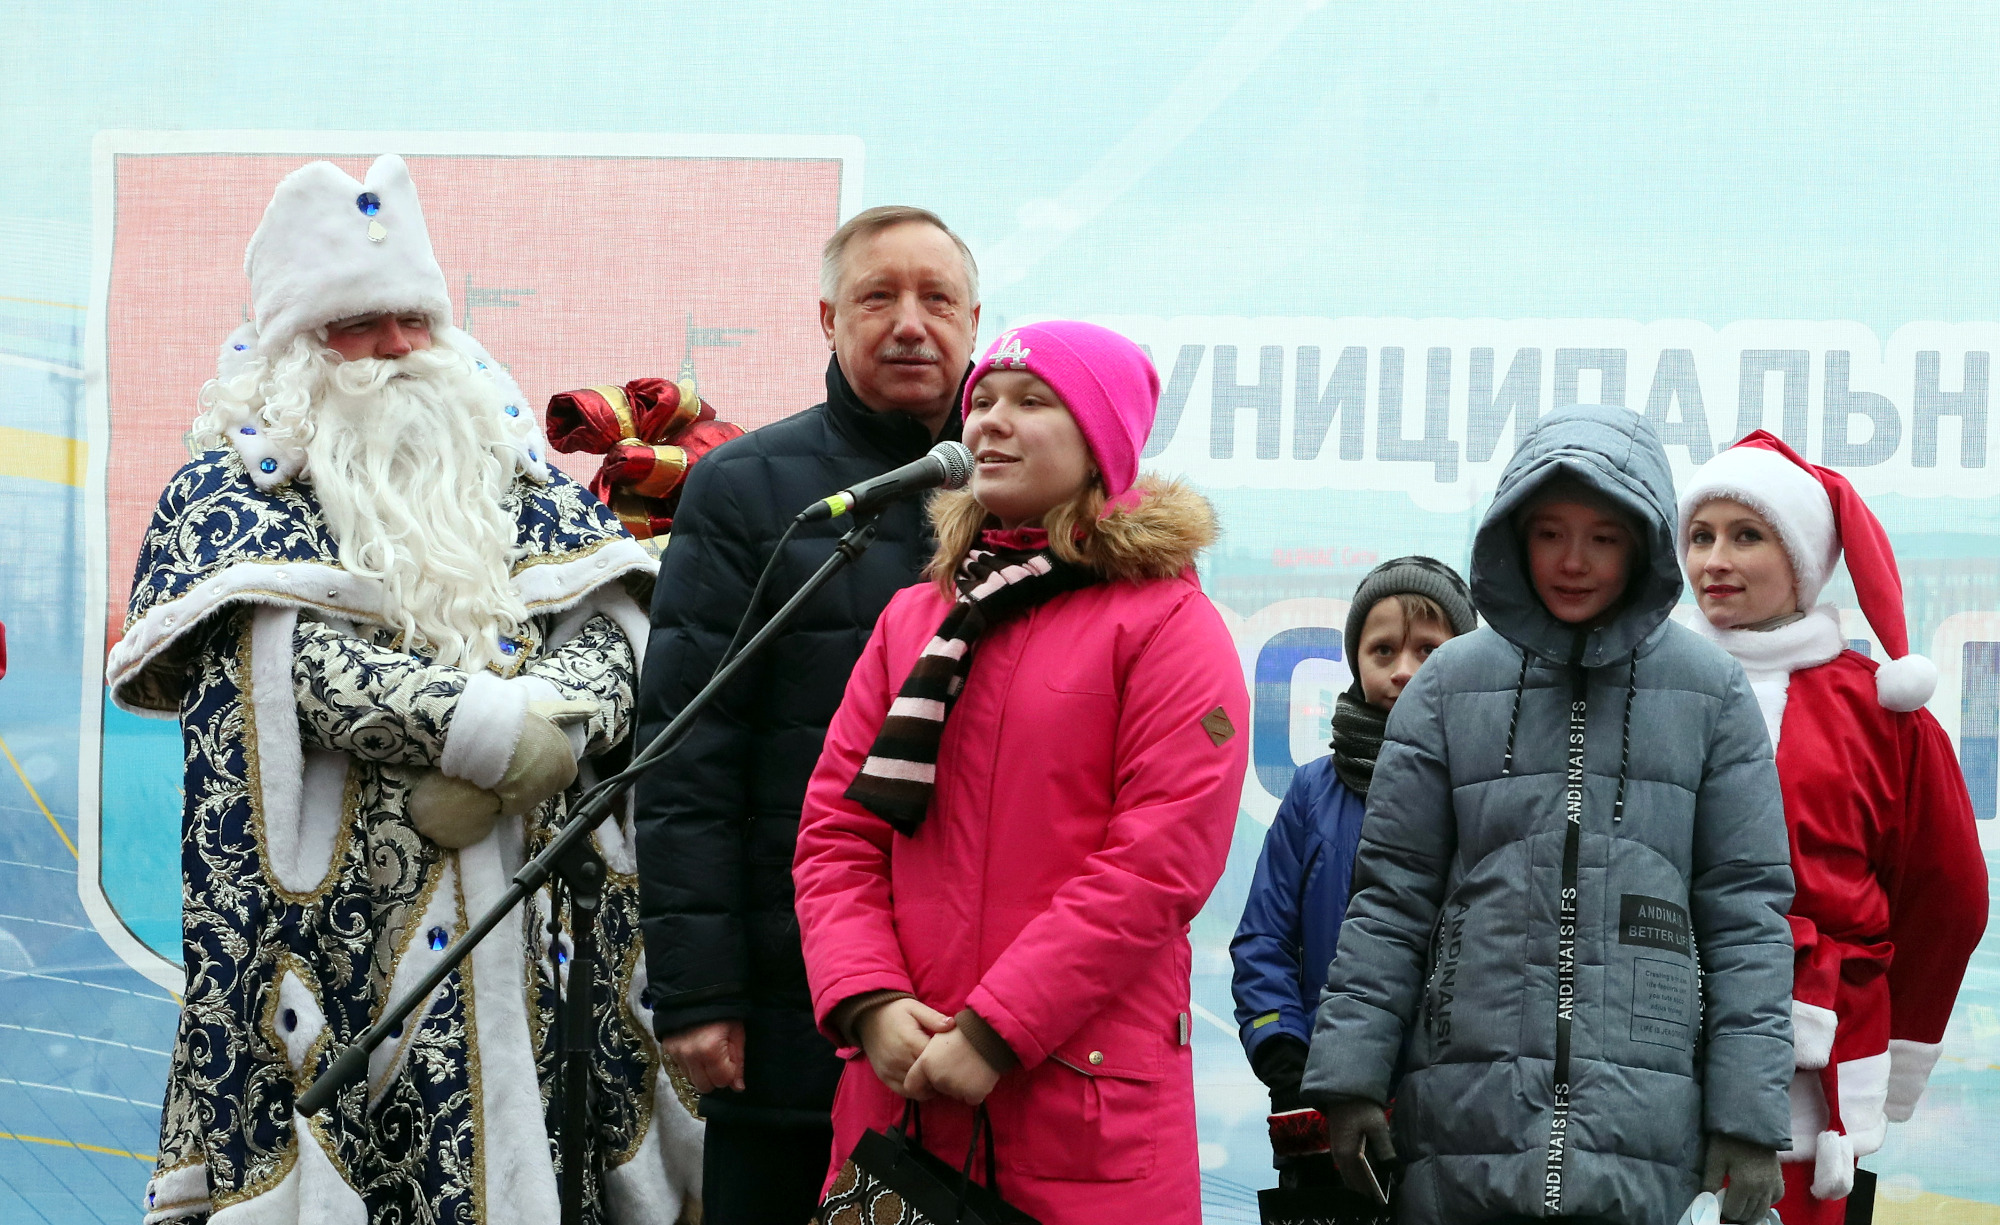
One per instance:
(508, 647)
(240, 348)
(438, 937)
(248, 429)
(480, 364)
(269, 465)
(396, 1030)
(535, 455)
(562, 955)
(369, 203)
(290, 1020)
(513, 410)
(152, 1197)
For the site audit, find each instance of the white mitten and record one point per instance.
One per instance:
(544, 760)
(450, 811)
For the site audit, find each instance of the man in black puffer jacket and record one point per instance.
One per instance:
(717, 819)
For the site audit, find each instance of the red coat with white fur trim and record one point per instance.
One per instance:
(1891, 899)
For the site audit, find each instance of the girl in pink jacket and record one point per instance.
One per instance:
(1026, 795)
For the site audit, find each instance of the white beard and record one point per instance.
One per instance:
(410, 460)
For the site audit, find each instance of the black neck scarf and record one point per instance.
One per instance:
(1357, 740)
(994, 582)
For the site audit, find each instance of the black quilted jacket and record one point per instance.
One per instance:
(717, 819)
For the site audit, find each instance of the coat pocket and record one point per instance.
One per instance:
(1090, 1112)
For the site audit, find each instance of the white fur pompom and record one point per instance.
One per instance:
(1833, 1170)
(1906, 683)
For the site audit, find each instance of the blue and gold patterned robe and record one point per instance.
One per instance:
(310, 900)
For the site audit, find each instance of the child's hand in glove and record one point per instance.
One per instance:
(1745, 1175)
(1350, 1123)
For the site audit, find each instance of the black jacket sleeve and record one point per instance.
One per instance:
(692, 809)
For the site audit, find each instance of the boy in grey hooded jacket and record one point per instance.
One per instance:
(1567, 957)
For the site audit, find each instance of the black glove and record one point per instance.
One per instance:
(1754, 1181)
(1280, 1062)
(1350, 1123)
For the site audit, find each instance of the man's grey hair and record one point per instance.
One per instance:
(868, 222)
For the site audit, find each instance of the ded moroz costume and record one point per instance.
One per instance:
(1891, 893)
(341, 703)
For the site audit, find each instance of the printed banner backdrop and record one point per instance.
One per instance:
(1366, 244)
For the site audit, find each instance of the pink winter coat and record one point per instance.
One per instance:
(1087, 787)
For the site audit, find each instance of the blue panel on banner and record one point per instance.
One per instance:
(1271, 702)
(142, 827)
(1979, 725)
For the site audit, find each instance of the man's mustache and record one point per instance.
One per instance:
(908, 353)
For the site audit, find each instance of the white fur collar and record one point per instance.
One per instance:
(1805, 643)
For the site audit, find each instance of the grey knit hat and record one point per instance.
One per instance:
(1425, 576)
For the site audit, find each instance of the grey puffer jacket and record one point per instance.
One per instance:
(1527, 917)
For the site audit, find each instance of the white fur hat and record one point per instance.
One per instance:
(331, 248)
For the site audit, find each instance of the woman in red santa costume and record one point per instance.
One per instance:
(1891, 884)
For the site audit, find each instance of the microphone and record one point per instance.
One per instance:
(948, 466)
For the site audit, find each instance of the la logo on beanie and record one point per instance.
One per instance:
(1010, 353)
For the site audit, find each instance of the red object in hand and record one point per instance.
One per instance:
(1299, 1133)
(650, 432)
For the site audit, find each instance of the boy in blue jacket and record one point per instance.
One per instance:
(1403, 610)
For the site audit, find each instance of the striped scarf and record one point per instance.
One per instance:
(994, 581)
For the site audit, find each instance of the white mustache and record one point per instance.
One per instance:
(921, 353)
(368, 374)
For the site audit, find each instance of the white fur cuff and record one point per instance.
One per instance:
(180, 1192)
(485, 727)
(1910, 1065)
(1833, 1169)
(1812, 1034)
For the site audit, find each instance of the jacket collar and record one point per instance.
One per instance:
(1157, 536)
(897, 437)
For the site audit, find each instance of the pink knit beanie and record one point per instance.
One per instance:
(1107, 381)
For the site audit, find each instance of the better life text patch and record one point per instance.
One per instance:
(1653, 922)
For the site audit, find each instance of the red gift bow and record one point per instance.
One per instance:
(650, 432)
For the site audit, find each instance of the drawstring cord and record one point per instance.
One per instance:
(1625, 739)
(1514, 721)
(1624, 731)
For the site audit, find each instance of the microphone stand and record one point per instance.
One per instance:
(570, 859)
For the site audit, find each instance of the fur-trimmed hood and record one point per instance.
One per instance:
(1157, 537)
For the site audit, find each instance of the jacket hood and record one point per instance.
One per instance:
(1158, 536)
(1616, 453)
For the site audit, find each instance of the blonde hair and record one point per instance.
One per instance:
(1422, 610)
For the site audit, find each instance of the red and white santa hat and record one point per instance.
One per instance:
(1818, 516)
